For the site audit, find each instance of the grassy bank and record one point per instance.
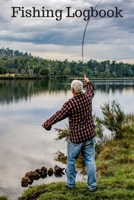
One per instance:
(27, 76)
(115, 173)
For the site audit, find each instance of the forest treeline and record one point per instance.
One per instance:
(14, 61)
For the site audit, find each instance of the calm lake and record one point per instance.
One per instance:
(24, 106)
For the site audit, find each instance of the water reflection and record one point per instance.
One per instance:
(16, 90)
(113, 86)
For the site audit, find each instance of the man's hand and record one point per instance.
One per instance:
(85, 78)
(48, 128)
(43, 125)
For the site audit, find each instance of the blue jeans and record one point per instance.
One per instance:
(88, 153)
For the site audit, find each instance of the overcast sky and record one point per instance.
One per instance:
(106, 38)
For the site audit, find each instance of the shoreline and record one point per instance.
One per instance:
(24, 77)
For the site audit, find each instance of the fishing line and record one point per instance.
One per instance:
(50, 113)
(84, 33)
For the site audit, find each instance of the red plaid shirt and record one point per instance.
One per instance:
(78, 109)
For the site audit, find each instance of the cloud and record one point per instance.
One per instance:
(67, 32)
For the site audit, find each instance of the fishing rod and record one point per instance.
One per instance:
(84, 33)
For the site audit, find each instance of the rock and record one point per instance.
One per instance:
(50, 171)
(25, 181)
(29, 174)
(58, 169)
(24, 184)
(35, 175)
(43, 171)
(43, 176)
(58, 174)
(39, 171)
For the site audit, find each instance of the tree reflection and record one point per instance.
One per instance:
(113, 86)
(16, 90)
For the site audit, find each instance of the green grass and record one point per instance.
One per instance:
(3, 198)
(108, 188)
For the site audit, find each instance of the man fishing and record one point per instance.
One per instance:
(78, 109)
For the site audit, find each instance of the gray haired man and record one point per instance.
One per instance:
(78, 109)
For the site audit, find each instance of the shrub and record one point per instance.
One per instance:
(113, 118)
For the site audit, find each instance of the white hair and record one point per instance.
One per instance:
(77, 86)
